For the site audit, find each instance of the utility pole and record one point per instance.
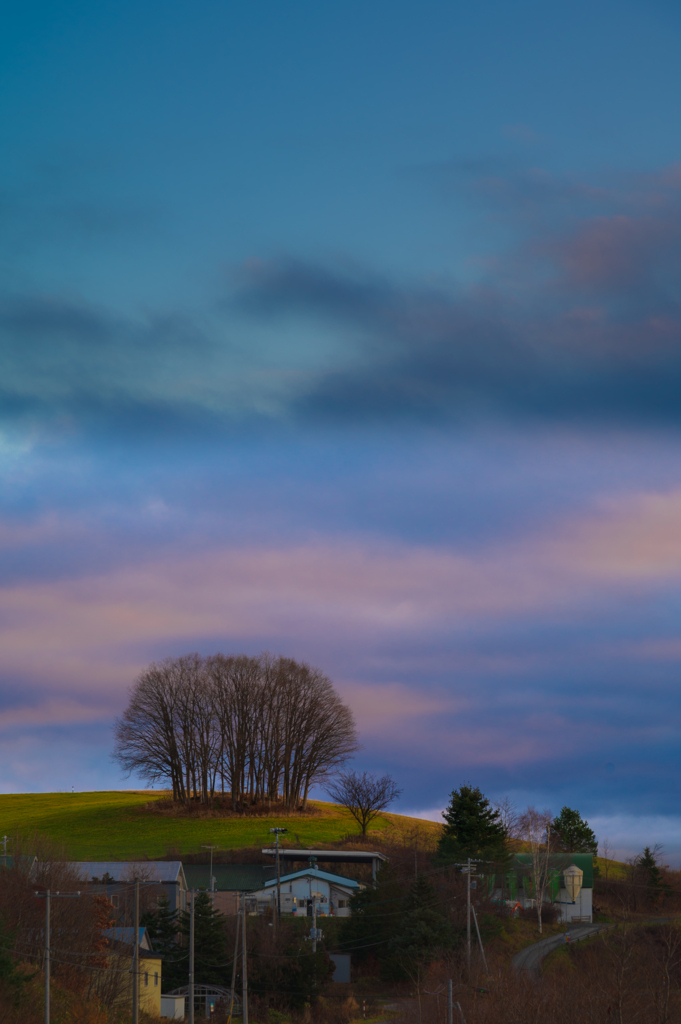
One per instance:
(467, 868)
(136, 957)
(314, 923)
(244, 971)
(277, 832)
(468, 914)
(47, 896)
(47, 957)
(236, 953)
(314, 934)
(205, 846)
(191, 957)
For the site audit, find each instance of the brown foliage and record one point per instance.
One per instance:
(629, 975)
(223, 807)
(79, 949)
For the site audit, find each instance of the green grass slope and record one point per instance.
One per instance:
(115, 826)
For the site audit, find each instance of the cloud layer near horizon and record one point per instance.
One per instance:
(435, 648)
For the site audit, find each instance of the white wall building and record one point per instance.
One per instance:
(331, 892)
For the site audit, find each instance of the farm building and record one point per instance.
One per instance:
(332, 893)
(113, 876)
(329, 858)
(229, 881)
(570, 884)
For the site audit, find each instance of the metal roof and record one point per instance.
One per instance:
(326, 876)
(229, 877)
(331, 856)
(560, 861)
(127, 936)
(124, 870)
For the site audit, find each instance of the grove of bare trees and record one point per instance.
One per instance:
(262, 729)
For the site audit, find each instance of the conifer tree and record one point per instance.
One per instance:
(474, 829)
(574, 833)
(657, 886)
(211, 958)
(373, 914)
(420, 934)
(163, 927)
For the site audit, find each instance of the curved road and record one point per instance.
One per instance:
(530, 958)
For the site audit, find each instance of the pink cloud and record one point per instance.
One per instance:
(609, 251)
(51, 712)
(89, 635)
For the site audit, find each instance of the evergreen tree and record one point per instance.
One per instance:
(374, 912)
(657, 886)
(473, 829)
(12, 981)
(420, 934)
(211, 959)
(573, 833)
(163, 927)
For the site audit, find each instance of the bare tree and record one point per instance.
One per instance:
(267, 728)
(535, 831)
(510, 819)
(365, 795)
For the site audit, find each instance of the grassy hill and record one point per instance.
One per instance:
(116, 826)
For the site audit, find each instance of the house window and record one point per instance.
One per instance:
(342, 904)
(114, 901)
(146, 978)
(156, 978)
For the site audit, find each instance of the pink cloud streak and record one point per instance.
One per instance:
(84, 636)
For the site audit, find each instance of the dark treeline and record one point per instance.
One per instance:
(260, 729)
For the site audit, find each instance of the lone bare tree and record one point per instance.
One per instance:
(535, 831)
(365, 795)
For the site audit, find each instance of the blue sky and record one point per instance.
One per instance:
(350, 332)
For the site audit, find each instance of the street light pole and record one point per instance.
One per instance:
(212, 880)
(277, 832)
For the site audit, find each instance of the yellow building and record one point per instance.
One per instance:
(116, 983)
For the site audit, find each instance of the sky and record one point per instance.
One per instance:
(350, 332)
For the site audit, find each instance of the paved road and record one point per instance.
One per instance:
(530, 958)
